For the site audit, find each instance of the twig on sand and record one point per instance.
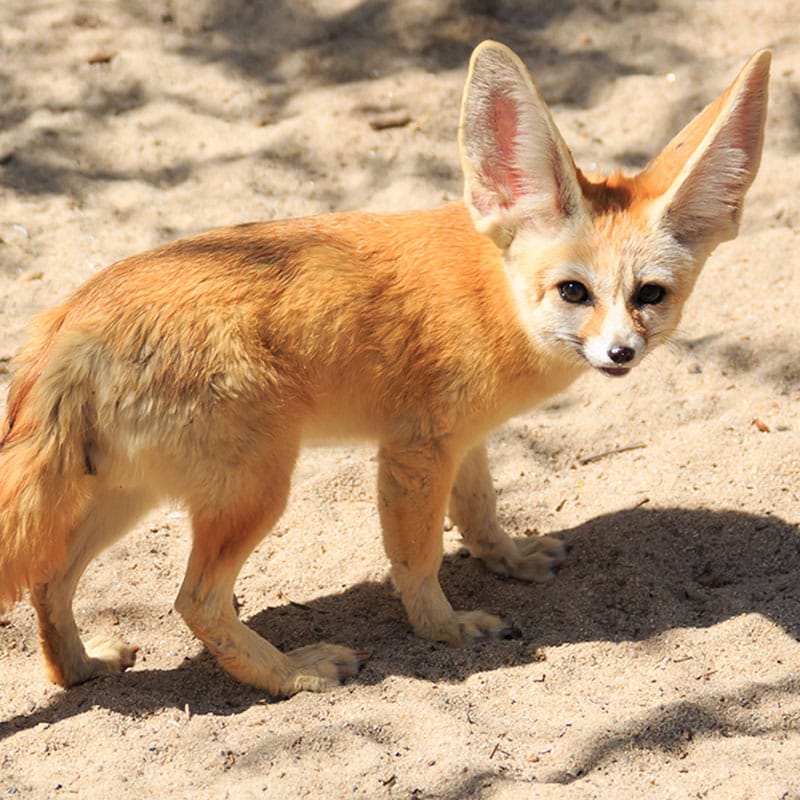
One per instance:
(613, 452)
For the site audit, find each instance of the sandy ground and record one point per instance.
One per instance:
(663, 661)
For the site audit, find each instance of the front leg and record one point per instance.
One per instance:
(473, 508)
(413, 484)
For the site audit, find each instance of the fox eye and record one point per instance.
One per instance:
(573, 292)
(649, 294)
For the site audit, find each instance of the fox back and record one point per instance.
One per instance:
(196, 370)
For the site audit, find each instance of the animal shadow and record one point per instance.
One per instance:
(629, 575)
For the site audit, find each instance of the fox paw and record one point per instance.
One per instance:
(463, 628)
(320, 667)
(473, 625)
(109, 656)
(536, 558)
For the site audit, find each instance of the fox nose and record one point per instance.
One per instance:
(621, 355)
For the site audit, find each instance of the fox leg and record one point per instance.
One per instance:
(67, 660)
(473, 508)
(224, 536)
(413, 483)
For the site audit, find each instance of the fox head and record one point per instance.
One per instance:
(601, 267)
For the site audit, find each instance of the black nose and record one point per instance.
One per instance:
(621, 355)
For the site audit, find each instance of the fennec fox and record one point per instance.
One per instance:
(195, 371)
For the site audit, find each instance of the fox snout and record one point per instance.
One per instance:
(622, 355)
(615, 355)
(616, 369)
(619, 344)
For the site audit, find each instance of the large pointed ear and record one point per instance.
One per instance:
(518, 171)
(699, 180)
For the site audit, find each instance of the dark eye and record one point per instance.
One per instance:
(649, 294)
(573, 292)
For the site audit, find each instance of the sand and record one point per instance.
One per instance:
(663, 660)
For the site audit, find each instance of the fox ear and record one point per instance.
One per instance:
(699, 180)
(518, 171)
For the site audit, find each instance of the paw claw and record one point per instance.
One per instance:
(362, 656)
(511, 632)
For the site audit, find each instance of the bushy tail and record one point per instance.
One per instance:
(44, 483)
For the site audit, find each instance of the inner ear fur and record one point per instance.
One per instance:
(698, 182)
(518, 171)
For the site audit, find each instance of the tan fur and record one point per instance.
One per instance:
(196, 371)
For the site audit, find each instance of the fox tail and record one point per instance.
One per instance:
(44, 465)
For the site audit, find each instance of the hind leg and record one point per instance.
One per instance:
(67, 660)
(225, 533)
(473, 508)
